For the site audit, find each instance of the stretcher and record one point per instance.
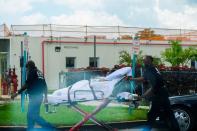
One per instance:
(99, 88)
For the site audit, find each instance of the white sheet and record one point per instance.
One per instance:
(119, 73)
(103, 89)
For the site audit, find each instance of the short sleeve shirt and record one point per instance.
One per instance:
(154, 78)
(35, 82)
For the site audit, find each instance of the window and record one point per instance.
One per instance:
(91, 61)
(70, 62)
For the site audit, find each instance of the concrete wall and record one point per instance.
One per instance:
(106, 50)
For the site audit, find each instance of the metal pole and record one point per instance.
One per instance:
(22, 63)
(142, 85)
(43, 33)
(51, 32)
(134, 62)
(94, 51)
(4, 30)
(86, 31)
(118, 32)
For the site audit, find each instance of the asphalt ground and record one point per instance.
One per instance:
(123, 126)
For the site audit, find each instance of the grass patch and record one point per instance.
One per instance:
(11, 114)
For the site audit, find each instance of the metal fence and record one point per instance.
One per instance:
(68, 78)
(103, 32)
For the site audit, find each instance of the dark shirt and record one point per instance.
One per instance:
(154, 78)
(36, 83)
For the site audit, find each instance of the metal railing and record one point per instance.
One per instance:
(68, 78)
(104, 32)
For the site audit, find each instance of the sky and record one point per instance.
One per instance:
(174, 14)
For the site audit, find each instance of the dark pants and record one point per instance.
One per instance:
(33, 114)
(161, 108)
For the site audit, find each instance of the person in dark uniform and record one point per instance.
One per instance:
(158, 96)
(35, 86)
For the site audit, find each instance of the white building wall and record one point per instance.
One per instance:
(55, 61)
(15, 53)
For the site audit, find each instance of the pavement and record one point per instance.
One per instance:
(123, 126)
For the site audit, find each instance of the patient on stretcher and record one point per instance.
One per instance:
(98, 88)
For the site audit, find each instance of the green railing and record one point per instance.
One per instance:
(68, 78)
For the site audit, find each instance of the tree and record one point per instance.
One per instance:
(157, 61)
(174, 54)
(125, 58)
(177, 56)
(148, 34)
(189, 54)
(193, 54)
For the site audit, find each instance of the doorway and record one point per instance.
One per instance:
(4, 59)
